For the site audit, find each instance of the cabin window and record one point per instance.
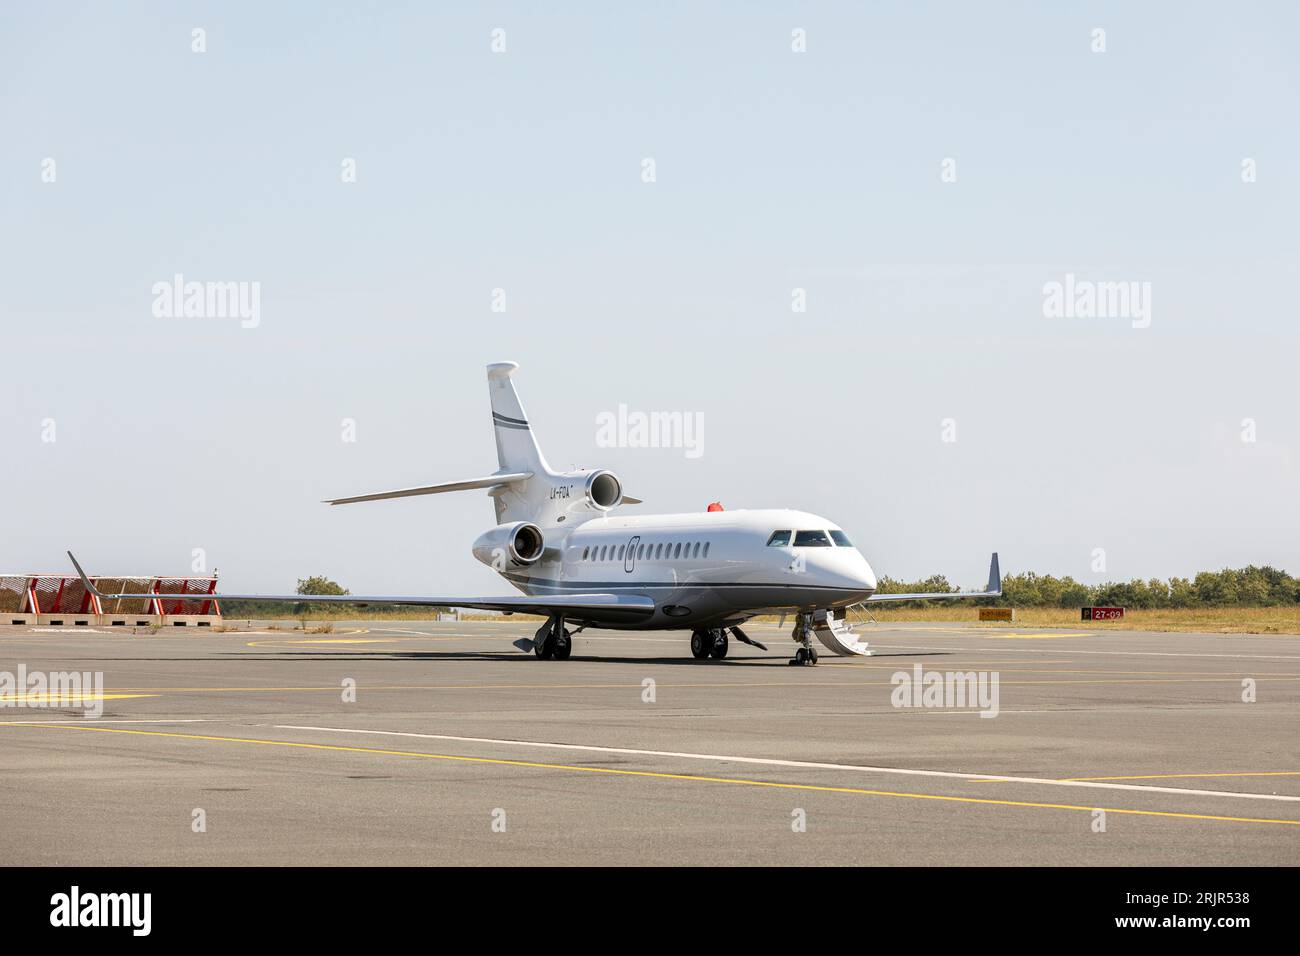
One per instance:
(696, 552)
(604, 552)
(584, 554)
(622, 551)
(640, 552)
(842, 539)
(659, 551)
(779, 539)
(811, 539)
(706, 549)
(677, 550)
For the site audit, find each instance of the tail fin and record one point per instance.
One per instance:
(517, 448)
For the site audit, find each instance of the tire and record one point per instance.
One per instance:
(546, 649)
(700, 641)
(718, 648)
(562, 651)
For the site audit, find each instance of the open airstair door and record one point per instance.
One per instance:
(838, 635)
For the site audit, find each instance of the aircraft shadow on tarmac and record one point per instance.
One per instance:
(513, 656)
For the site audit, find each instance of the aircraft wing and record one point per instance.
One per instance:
(607, 606)
(485, 482)
(992, 589)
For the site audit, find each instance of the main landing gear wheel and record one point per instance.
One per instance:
(553, 640)
(709, 643)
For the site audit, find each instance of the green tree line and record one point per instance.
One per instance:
(1243, 587)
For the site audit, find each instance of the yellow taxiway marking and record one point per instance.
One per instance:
(1186, 776)
(1030, 637)
(658, 775)
(56, 699)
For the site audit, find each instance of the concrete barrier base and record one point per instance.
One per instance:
(113, 620)
(67, 620)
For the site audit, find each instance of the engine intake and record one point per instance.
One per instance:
(604, 490)
(510, 545)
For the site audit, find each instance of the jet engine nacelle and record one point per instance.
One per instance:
(516, 544)
(604, 490)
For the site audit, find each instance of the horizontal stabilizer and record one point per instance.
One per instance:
(487, 482)
(992, 589)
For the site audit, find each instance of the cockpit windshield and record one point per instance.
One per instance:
(811, 539)
(841, 539)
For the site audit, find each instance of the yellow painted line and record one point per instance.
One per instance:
(695, 778)
(1030, 637)
(47, 699)
(1184, 776)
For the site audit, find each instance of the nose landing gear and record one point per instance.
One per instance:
(806, 655)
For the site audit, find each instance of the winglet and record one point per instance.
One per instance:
(84, 580)
(995, 577)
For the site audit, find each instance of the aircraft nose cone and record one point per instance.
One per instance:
(866, 577)
(852, 573)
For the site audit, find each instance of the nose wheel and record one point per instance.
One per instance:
(806, 655)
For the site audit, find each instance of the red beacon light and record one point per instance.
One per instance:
(716, 506)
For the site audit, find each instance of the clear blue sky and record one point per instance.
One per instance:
(775, 170)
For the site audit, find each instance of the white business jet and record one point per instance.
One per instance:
(561, 540)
